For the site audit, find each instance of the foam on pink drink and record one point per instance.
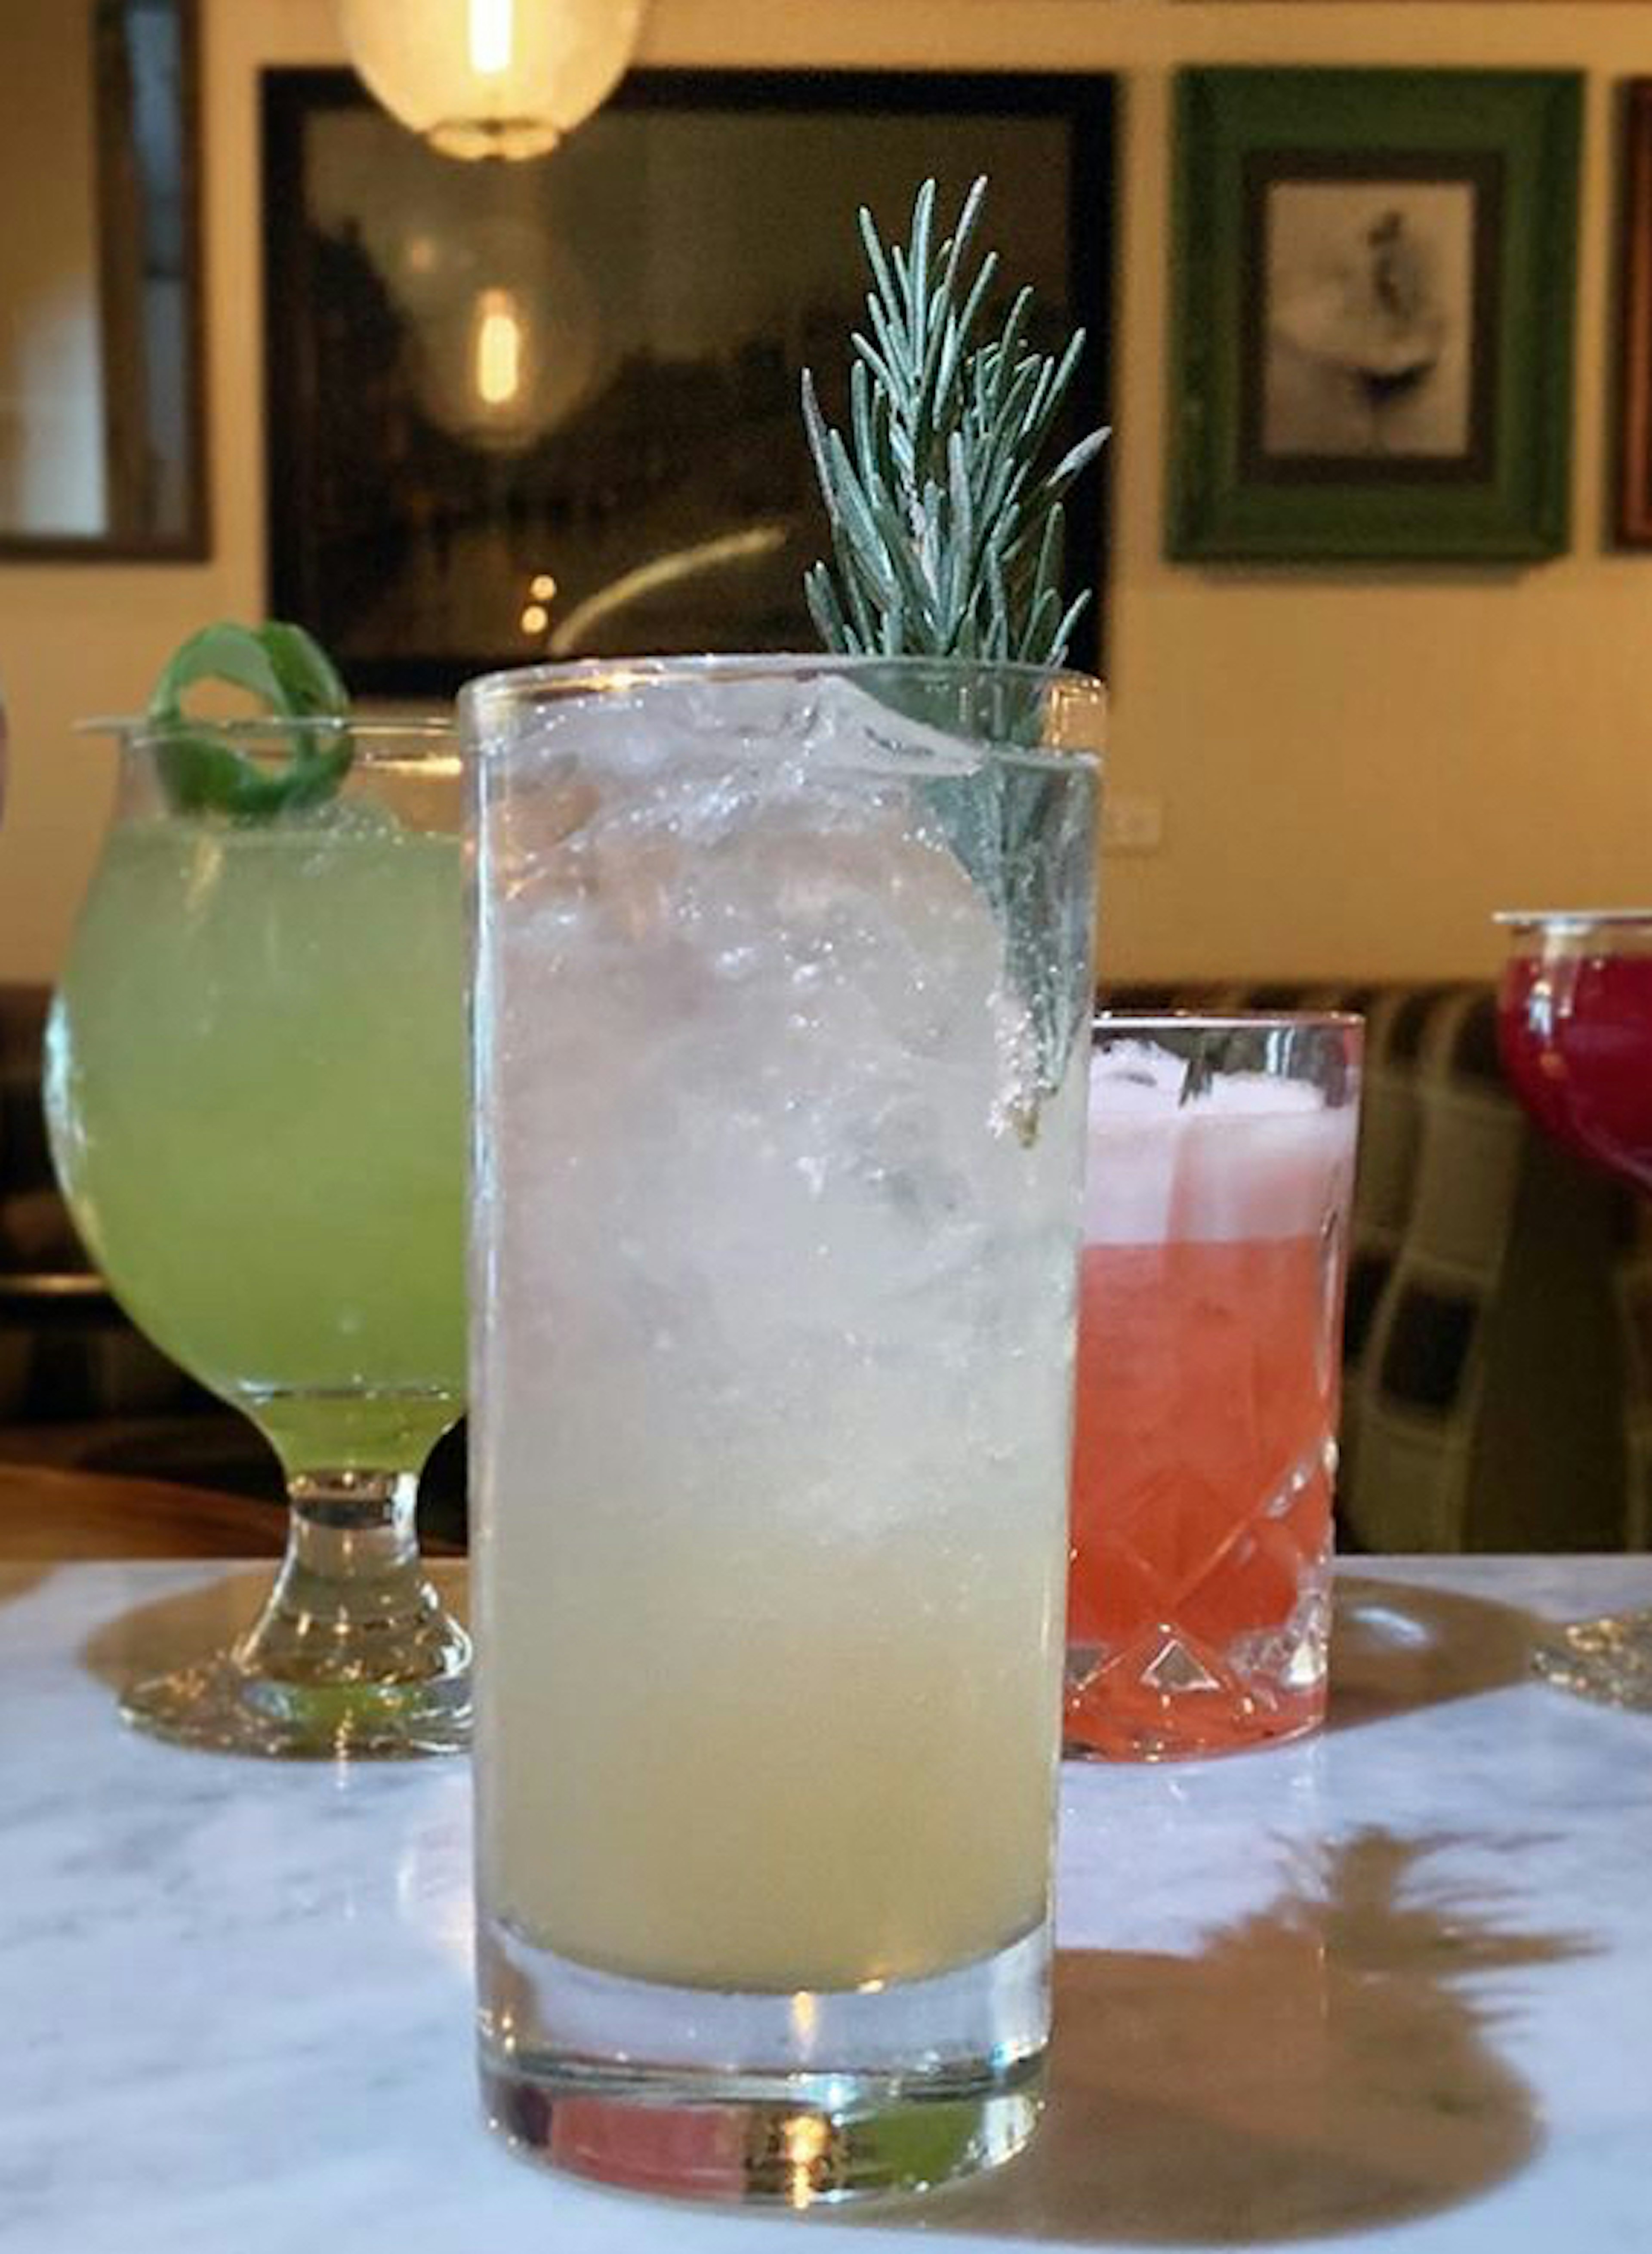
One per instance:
(1207, 1372)
(1252, 1156)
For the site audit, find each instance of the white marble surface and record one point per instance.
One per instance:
(1391, 1990)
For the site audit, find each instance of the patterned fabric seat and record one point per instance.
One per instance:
(1498, 1364)
(65, 1351)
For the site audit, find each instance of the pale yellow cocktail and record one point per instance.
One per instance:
(780, 1098)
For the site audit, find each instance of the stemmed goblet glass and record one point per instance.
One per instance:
(1575, 1030)
(255, 1096)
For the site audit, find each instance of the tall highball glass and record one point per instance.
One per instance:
(255, 1093)
(781, 1030)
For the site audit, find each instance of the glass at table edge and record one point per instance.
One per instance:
(1571, 922)
(1552, 936)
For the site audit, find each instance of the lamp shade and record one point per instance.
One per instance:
(492, 78)
(505, 331)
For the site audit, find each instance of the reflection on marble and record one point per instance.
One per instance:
(1390, 1989)
(1402, 1648)
(1285, 2053)
(195, 1622)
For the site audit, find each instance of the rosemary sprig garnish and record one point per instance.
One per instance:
(946, 535)
(293, 676)
(947, 543)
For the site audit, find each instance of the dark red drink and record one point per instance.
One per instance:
(1575, 1030)
(1575, 1026)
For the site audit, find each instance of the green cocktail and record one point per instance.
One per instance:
(255, 1089)
(254, 1049)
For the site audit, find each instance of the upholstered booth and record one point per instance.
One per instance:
(1500, 1307)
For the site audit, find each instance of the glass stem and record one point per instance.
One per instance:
(351, 1603)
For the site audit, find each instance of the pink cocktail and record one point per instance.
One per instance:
(1221, 1166)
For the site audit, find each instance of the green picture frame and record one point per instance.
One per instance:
(1373, 315)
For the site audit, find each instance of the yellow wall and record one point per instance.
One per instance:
(1355, 766)
(51, 373)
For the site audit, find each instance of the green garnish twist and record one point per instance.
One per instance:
(294, 679)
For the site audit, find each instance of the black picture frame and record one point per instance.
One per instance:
(358, 471)
(1632, 467)
(1478, 175)
(142, 124)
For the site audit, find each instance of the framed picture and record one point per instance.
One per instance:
(1633, 512)
(551, 410)
(1374, 314)
(104, 437)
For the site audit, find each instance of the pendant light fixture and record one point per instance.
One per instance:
(492, 78)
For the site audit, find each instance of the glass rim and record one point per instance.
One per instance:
(377, 739)
(491, 698)
(1149, 1022)
(1566, 920)
(519, 681)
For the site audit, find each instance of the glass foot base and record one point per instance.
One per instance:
(826, 2140)
(218, 1707)
(1118, 1710)
(793, 2098)
(1609, 1660)
(1182, 1738)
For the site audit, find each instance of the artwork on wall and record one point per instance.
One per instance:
(551, 410)
(1632, 515)
(103, 392)
(1373, 289)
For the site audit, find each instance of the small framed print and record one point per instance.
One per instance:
(1374, 314)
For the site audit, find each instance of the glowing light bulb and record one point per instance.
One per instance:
(493, 25)
(492, 78)
(498, 363)
(505, 338)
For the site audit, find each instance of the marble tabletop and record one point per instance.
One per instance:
(1387, 1990)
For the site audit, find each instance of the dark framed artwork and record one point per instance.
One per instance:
(1373, 315)
(1632, 515)
(551, 410)
(103, 442)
